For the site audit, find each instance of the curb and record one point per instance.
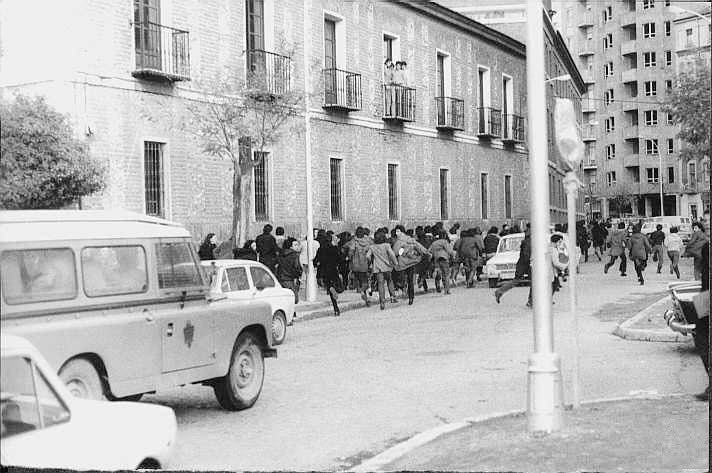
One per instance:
(625, 330)
(326, 309)
(419, 440)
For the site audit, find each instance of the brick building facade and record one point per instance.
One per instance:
(124, 72)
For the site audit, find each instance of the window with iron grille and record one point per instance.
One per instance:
(261, 184)
(444, 204)
(393, 192)
(484, 185)
(337, 210)
(651, 117)
(507, 196)
(153, 177)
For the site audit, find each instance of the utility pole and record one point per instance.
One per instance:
(544, 406)
(311, 276)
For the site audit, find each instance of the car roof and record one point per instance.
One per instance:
(514, 235)
(43, 225)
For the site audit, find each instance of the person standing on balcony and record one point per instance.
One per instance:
(400, 79)
(388, 89)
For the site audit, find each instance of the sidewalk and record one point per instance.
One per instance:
(653, 434)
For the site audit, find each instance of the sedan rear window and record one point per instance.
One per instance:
(38, 275)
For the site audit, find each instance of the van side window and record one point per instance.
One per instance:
(238, 279)
(260, 277)
(176, 266)
(112, 270)
(38, 275)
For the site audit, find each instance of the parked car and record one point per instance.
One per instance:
(682, 317)
(250, 280)
(44, 426)
(118, 304)
(503, 264)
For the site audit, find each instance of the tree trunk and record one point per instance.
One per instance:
(236, 199)
(244, 224)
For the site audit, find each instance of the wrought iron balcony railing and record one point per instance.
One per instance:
(398, 103)
(342, 90)
(268, 72)
(450, 113)
(513, 130)
(162, 52)
(489, 122)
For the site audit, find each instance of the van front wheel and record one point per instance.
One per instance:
(82, 379)
(241, 386)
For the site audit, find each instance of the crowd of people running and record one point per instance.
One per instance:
(397, 260)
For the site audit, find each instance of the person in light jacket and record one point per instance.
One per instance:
(383, 261)
(617, 241)
(358, 256)
(442, 252)
(408, 253)
(694, 247)
(639, 248)
(675, 248)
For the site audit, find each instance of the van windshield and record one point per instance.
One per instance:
(510, 244)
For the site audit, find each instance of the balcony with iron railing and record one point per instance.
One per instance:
(162, 52)
(268, 73)
(342, 90)
(398, 103)
(586, 20)
(489, 122)
(450, 113)
(588, 132)
(589, 163)
(588, 105)
(513, 130)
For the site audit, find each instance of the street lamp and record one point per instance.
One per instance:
(563, 78)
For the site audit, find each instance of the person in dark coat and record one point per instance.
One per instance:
(358, 257)
(289, 270)
(617, 240)
(327, 260)
(468, 254)
(598, 237)
(423, 268)
(207, 248)
(702, 328)
(491, 243)
(408, 253)
(523, 270)
(657, 240)
(248, 251)
(639, 249)
(694, 247)
(582, 239)
(267, 248)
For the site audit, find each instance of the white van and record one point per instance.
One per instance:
(683, 224)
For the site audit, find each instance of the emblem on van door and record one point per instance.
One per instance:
(188, 332)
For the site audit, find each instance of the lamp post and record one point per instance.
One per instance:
(544, 409)
(310, 276)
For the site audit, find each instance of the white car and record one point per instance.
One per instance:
(44, 426)
(503, 264)
(247, 279)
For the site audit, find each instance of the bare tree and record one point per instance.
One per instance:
(622, 198)
(240, 119)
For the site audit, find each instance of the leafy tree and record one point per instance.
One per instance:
(689, 104)
(42, 166)
(238, 121)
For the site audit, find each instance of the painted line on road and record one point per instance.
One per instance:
(392, 454)
(656, 309)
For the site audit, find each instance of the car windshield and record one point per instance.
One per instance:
(510, 244)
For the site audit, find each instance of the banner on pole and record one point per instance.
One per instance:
(568, 139)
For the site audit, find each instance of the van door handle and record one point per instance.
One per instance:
(169, 332)
(148, 315)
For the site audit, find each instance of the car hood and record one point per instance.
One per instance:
(504, 258)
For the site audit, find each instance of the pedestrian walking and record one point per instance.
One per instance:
(423, 268)
(358, 255)
(467, 254)
(598, 237)
(408, 253)
(345, 245)
(289, 270)
(694, 247)
(480, 245)
(639, 248)
(267, 248)
(442, 253)
(207, 248)
(248, 251)
(327, 259)
(657, 240)
(491, 243)
(383, 261)
(582, 239)
(675, 248)
(617, 241)
(279, 237)
(522, 272)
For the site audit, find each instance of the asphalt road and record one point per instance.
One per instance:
(344, 389)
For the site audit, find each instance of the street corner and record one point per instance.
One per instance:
(649, 325)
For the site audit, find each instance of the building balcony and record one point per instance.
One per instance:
(674, 188)
(629, 47)
(631, 75)
(450, 113)
(628, 18)
(489, 122)
(162, 52)
(342, 90)
(588, 105)
(589, 164)
(650, 187)
(631, 160)
(588, 132)
(513, 131)
(398, 103)
(690, 188)
(588, 77)
(630, 132)
(587, 49)
(268, 73)
(586, 20)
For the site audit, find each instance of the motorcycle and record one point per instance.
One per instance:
(682, 317)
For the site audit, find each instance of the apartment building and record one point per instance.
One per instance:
(626, 50)
(693, 34)
(563, 80)
(453, 150)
